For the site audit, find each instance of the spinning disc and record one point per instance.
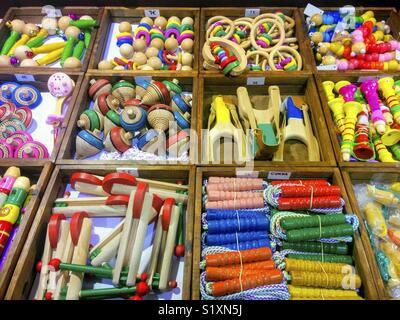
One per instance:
(26, 95)
(7, 111)
(10, 126)
(6, 150)
(31, 149)
(24, 114)
(6, 91)
(18, 138)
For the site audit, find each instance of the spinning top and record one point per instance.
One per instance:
(7, 111)
(6, 150)
(183, 120)
(177, 144)
(156, 92)
(106, 102)
(10, 126)
(90, 120)
(88, 144)
(98, 87)
(31, 149)
(148, 139)
(173, 86)
(123, 91)
(181, 103)
(6, 91)
(118, 140)
(23, 114)
(141, 87)
(159, 116)
(133, 119)
(18, 138)
(111, 120)
(26, 95)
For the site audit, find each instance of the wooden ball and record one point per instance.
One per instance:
(187, 59)
(139, 45)
(63, 22)
(160, 22)
(157, 43)
(125, 26)
(28, 63)
(186, 68)
(4, 60)
(126, 50)
(49, 24)
(187, 20)
(155, 63)
(171, 44)
(72, 32)
(119, 68)
(174, 19)
(152, 52)
(105, 65)
(147, 20)
(86, 17)
(72, 62)
(21, 52)
(187, 45)
(139, 58)
(18, 25)
(30, 29)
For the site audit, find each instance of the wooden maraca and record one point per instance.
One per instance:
(111, 120)
(106, 102)
(28, 31)
(133, 119)
(72, 33)
(17, 27)
(31, 149)
(90, 120)
(159, 117)
(98, 87)
(118, 140)
(123, 91)
(156, 92)
(88, 144)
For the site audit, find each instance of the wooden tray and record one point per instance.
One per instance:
(389, 14)
(134, 15)
(40, 82)
(237, 12)
(67, 150)
(24, 274)
(300, 85)
(35, 15)
(363, 175)
(353, 78)
(333, 174)
(39, 174)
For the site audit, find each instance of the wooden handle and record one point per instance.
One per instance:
(93, 211)
(44, 271)
(155, 251)
(64, 275)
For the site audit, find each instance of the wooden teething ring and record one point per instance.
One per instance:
(275, 23)
(229, 31)
(288, 23)
(257, 54)
(215, 19)
(285, 49)
(245, 42)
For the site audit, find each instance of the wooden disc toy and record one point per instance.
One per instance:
(18, 138)
(111, 120)
(31, 149)
(106, 102)
(23, 114)
(6, 150)
(123, 91)
(133, 119)
(90, 120)
(98, 87)
(180, 102)
(88, 144)
(7, 90)
(7, 110)
(118, 140)
(156, 92)
(10, 126)
(27, 95)
(159, 117)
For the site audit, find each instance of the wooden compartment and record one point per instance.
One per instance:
(67, 151)
(301, 85)
(35, 15)
(389, 14)
(363, 175)
(332, 174)
(238, 12)
(353, 78)
(40, 82)
(24, 274)
(39, 174)
(134, 15)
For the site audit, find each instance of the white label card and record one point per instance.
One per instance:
(252, 12)
(24, 77)
(327, 67)
(310, 10)
(142, 78)
(243, 173)
(132, 171)
(255, 81)
(152, 13)
(279, 175)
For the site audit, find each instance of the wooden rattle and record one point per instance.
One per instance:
(88, 144)
(118, 140)
(290, 62)
(261, 38)
(255, 63)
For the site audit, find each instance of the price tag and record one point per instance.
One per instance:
(377, 77)
(143, 78)
(51, 12)
(255, 81)
(252, 12)
(243, 173)
(279, 175)
(310, 10)
(340, 27)
(327, 67)
(24, 77)
(152, 13)
(398, 55)
(132, 171)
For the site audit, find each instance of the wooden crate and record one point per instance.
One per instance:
(238, 12)
(389, 14)
(39, 174)
(35, 15)
(24, 274)
(40, 82)
(134, 15)
(363, 175)
(332, 174)
(302, 85)
(325, 76)
(67, 150)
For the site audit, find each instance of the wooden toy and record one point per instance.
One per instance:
(7, 90)
(112, 207)
(31, 149)
(178, 144)
(6, 183)
(6, 111)
(26, 95)
(88, 143)
(23, 114)
(386, 87)
(87, 183)
(118, 140)
(17, 26)
(97, 87)
(106, 102)
(123, 91)
(90, 120)
(111, 120)
(156, 91)
(10, 126)
(159, 116)
(133, 119)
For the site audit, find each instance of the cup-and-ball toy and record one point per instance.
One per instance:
(349, 41)
(28, 45)
(265, 42)
(159, 44)
(367, 117)
(128, 116)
